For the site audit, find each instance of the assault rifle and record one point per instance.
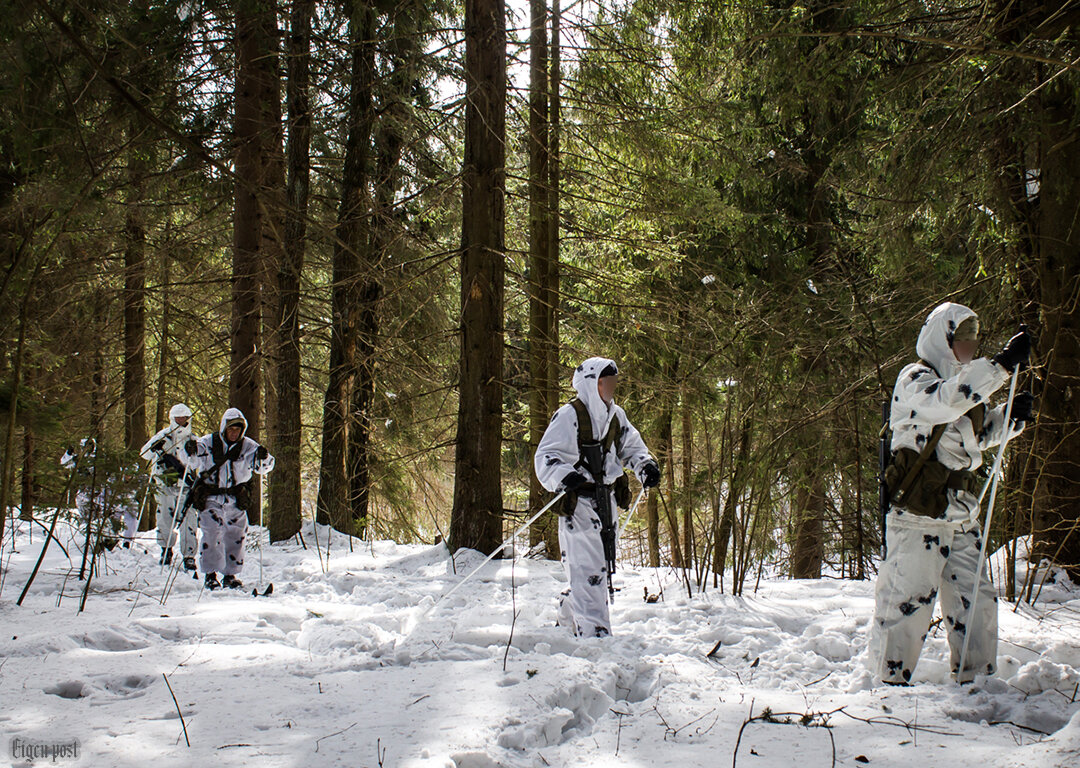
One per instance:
(592, 454)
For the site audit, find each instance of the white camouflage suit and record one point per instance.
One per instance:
(123, 508)
(223, 524)
(81, 461)
(169, 481)
(585, 606)
(928, 558)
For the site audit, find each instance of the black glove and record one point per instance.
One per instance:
(1023, 407)
(191, 447)
(172, 464)
(650, 475)
(1016, 352)
(158, 446)
(573, 481)
(261, 453)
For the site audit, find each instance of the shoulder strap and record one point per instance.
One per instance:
(217, 449)
(584, 426)
(584, 421)
(924, 455)
(612, 434)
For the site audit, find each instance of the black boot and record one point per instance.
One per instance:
(189, 563)
(211, 582)
(166, 557)
(231, 582)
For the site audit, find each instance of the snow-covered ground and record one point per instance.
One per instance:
(345, 666)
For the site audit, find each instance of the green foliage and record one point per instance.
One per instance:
(761, 202)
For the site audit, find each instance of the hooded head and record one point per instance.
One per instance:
(230, 417)
(587, 376)
(179, 411)
(940, 330)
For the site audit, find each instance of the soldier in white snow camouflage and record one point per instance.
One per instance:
(934, 536)
(169, 450)
(558, 464)
(227, 461)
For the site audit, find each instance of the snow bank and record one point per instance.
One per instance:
(355, 660)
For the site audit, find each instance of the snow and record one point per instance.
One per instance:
(354, 662)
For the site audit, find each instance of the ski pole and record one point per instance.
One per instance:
(174, 568)
(498, 549)
(993, 482)
(629, 517)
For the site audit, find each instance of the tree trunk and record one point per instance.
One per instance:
(352, 239)
(476, 520)
(665, 455)
(403, 50)
(161, 417)
(687, 482)
(274, 204)
(652, 524)
(162, 405)
(134, 301)
(254, 215)
(540, 311)
(7, 468)
(739, 463)
(554, 185)
(1057, 441)
(860, 538)
(29, 480)
(286, 491)
(807, 547)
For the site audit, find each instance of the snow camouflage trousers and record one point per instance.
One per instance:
(123, 520)
(166, 503)
(129, 520)
(582, 554)
(928, 559)
(223, 527)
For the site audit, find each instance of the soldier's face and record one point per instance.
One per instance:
(232, 433)
(965, 350)
(606, 387)
(182, 420)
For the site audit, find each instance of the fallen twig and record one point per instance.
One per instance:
(806, 719)
(335, 733)
(618, 733)
(895, 721)
(177, 705)
(1018, 725)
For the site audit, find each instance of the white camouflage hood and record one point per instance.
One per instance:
(229, 415)
(181, 432)
(934, 345)
(586, 377)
